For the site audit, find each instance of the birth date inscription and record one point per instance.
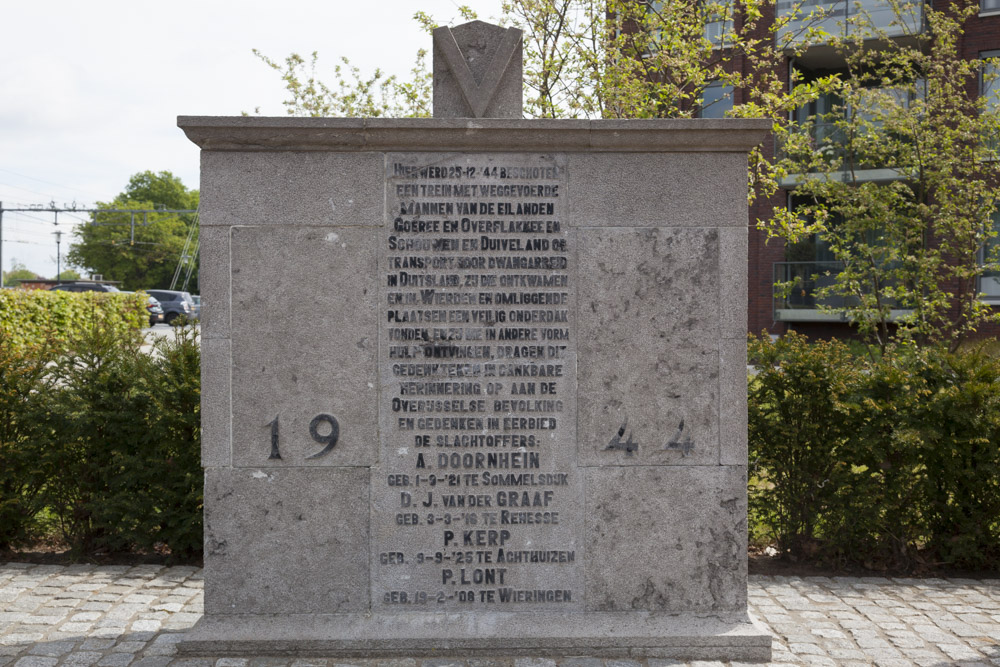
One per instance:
(478, 501)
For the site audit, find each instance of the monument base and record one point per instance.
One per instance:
(610, 635)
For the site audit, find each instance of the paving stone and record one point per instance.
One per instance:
(48, 618)
(152, 661)
(36, 661)
(128, 647)
(52, 649)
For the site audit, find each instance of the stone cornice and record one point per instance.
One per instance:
(253, 133)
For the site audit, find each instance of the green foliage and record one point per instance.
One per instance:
(353, 94)
(158, 497)
(910, 246)
(93, 415)
(32, 318)
(18, 273)
(21, 371)
(104, 438)
(889, 460)
(69, 274)
(141, 251)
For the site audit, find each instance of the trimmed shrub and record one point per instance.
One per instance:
(21, 372)
(105, 444)
(801, 424)
(36, 317)
(888, 462)
(158, 489)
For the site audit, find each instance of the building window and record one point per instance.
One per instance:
(989, 281)
(989, 83)
(717, 99)
(717, 16)
(989, 6)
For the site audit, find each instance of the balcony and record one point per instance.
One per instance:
(844, 18)
(801, 301)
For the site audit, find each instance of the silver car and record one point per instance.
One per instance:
(174, 304)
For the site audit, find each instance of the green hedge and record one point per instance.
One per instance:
(891, 462)
(100, 442)
(33, 317)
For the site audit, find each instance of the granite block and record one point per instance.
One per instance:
(733, 258)
(654, 291)
(657, 190)
(284, 187)
(733, 402)
(304, 344)
(352, 135)
(485, 634)
(281, 541)
(477, 71)
(213, 281)
(666, 539)
(216, 408)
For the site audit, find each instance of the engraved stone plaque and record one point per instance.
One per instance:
(477, 503)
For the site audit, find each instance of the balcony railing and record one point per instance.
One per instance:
(797, 298)
(796, 286)
(842, 18)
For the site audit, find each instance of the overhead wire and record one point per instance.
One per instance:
(58, 185)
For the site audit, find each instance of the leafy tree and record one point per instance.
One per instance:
(910, 244)
(141, 250)
(18, 273)
(69, 274)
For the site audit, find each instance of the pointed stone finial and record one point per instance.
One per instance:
(477, 71)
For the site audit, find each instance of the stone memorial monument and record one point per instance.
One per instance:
(474, 384)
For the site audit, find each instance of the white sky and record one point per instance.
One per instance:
(90, 91)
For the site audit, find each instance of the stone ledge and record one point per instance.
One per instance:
(421, 634)
(242, 133)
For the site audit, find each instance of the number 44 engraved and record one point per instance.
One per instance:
(328, 440)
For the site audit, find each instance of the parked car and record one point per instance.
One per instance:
(174, 303)
(197, 306)
(153, 308)
(85, 287)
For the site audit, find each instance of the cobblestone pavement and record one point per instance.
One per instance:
(119, 616)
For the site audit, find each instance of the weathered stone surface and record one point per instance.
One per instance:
(283, 541)
(666, 539)
(696, 189)
(291, 188)
(213, 278)
(363, 135)
(733, 402)
(304, 343)
(655, 292)
(477, 71)
(733, 282)
(633, 634)
(216, 429)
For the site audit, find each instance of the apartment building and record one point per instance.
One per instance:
(807, 264)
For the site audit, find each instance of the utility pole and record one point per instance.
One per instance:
(95, 211)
